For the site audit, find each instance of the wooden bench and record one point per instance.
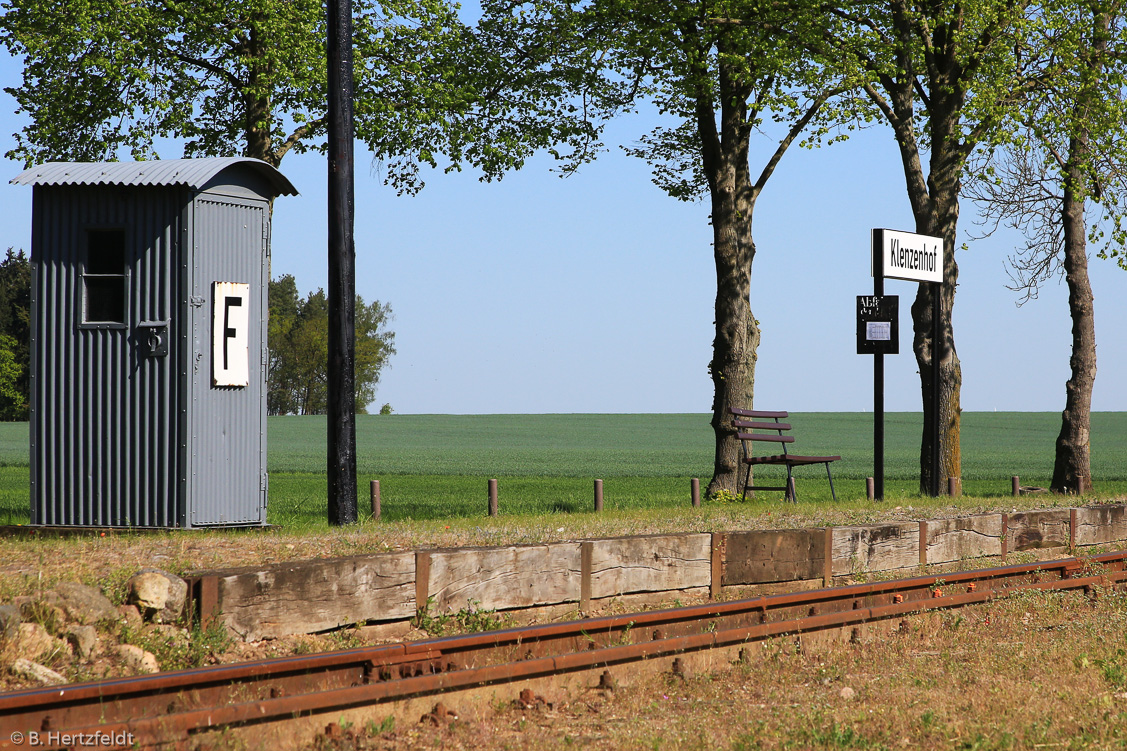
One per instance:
(750, 428)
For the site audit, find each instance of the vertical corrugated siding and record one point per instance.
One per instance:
(105, 427)
(227, 443)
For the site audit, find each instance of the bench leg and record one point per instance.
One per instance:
(747, 479)
(832, 493)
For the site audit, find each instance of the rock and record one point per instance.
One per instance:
(159, 595)
(33, 642)
(138, 659)
(171, 633)
(83, 639)
(9, 622)
(85, 604)
(847, 693)
(130, 615)
(38, 673)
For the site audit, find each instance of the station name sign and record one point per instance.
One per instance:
(908, 256)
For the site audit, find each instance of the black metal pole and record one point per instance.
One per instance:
(878, 376)
(936, 374)
(342, 271)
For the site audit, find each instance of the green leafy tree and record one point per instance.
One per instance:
(13, 401)
(15, 327)
(946, 76)
(297, 381)
(103, 77)
(1067, 152)
(719, 85)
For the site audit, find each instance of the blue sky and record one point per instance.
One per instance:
(594, 293)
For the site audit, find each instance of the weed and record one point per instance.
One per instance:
(346, 638)
(45, 614)
(386, 726)
(176, 649)
(468, 620)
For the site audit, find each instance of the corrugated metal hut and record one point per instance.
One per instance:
(148, 352)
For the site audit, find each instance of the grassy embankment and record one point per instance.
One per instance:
(434, 467)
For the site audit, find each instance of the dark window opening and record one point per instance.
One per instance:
(104, 280)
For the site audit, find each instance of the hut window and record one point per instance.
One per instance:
(104, 277)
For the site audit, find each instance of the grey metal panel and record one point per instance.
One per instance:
(227, 425)
(194, 173)
(105, 429)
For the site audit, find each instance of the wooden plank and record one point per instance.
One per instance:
(950, 540)
(309, 596)
(1100, 525)
(880, 547)
(774, 556)
(1031, 530)
(650, 564)
(505, 577)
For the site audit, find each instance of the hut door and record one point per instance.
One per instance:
(228, 448)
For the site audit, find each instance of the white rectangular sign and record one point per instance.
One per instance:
(905, 255)
(230, 329)
(878, 331)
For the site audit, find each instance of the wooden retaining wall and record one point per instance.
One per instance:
(320, 595)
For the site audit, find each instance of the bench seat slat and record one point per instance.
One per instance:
(755, 413)
(761, 437)
(761, 425)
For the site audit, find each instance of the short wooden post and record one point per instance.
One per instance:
(954, 487)
(694, 491)
(493, 498)
(422, 580)
(870, 488)
(791, 495)
(1015, 481)
(716, 583)
(375, 500)
(586, 558)
(598, 495)
(1005, 536)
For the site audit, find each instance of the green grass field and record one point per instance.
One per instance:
(436, 466)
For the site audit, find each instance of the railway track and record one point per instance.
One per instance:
(180, 708)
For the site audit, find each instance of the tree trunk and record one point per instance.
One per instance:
(256, 102)
(1072, 471)
(940, 219)
(725, 162)
(734, 348)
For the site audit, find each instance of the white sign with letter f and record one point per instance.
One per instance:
(230, 362)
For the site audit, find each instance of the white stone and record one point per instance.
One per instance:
(138, 659)
(37, 672)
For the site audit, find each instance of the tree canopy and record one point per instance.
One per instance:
(298, 336)
(15, 335)
(102, 78)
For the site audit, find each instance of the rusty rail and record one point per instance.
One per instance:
(170, 707)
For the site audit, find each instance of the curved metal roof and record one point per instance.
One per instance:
(195, 173)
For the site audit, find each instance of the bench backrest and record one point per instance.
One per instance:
(749, 426)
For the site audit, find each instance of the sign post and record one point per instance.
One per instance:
(911, 257)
